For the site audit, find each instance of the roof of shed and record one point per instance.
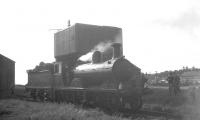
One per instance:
(2, 56)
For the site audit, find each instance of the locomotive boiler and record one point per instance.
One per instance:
(110, 82)
(116, 73)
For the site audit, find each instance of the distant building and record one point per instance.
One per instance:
(190, 77)
(7, 76)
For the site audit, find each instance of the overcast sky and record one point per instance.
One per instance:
(158, 35)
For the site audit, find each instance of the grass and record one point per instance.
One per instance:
(12, 109)
(160, 95)
(182, 104)
(23, 110)
(159, 100)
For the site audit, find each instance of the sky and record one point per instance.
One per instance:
(158, 35)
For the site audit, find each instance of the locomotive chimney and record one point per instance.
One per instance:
(96, 57)
(116, 50)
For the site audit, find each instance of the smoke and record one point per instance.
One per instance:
(87, 57)
(102, 47)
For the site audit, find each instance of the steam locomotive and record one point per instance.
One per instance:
(110, 82)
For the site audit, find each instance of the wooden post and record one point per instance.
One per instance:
(52, 83)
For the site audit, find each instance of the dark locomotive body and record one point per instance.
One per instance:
(113, 83)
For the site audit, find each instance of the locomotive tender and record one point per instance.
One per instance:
(108, 80)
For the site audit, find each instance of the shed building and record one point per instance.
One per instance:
(7, 76)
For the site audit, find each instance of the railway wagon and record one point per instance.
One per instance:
(107, 80)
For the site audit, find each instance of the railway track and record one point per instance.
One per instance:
(160, 114)
(151, 114)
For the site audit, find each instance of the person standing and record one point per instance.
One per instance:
(170, 80)
(176, 84)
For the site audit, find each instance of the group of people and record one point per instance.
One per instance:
(174, 83)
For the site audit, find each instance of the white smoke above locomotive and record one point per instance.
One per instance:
(103, 47)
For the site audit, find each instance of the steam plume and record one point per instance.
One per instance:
(103, 47)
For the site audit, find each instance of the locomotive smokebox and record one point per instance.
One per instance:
(116, 50)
